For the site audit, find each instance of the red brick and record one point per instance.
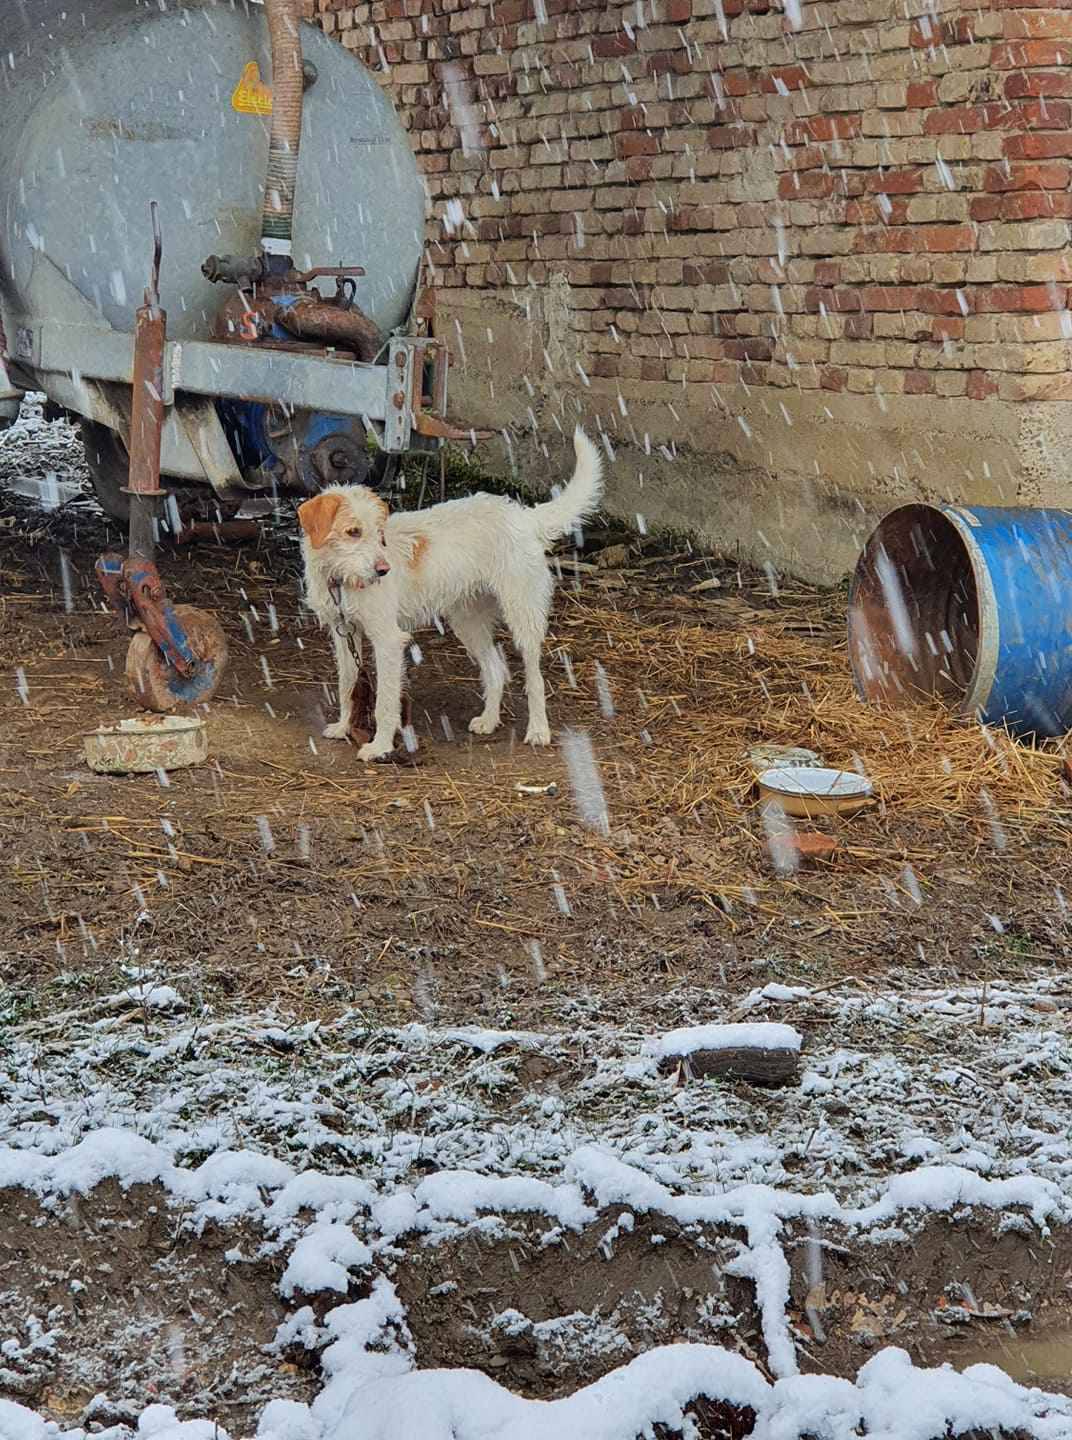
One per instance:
(1024, 83)
(822, 128)
(730, 137)
(1039, 115)
(985, 207)
(927, 34)
(1038, 25)
(812, 844)
(962, 30)
(1025, 94)
(922, 94)
(997, 115)
(793, 77)
(833, 301)
(930, 239)
(895, 182)
(811, 185)
(948, 327)
(909, 297)
(636, 142)
(1024, 205)
(1018, 299)
(740, 82)
(869, 212)
(1053, 176)
(919, 382)
(1038, 147)
(1023, 54)
(669, 62)
(980, 385)
(607, 47)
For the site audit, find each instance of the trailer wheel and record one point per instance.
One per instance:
(109, 465)
(156, 686)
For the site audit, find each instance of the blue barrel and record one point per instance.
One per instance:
(973, 606)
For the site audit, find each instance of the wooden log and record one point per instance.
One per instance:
(757, 1064)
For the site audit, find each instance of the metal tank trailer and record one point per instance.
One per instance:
(283, 343)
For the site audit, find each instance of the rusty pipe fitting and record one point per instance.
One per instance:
(288, 85)
(331, 324)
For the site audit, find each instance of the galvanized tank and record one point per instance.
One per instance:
(107, 104)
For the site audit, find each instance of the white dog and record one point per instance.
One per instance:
(368, 572)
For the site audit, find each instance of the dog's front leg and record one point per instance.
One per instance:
(348, 665)
(389, 646)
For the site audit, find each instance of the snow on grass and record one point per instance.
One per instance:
(691, 1038)
(324, 1258)
(911, 1102)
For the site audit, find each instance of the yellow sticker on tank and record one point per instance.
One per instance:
(251, 95)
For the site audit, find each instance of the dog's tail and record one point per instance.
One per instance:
(581, 497)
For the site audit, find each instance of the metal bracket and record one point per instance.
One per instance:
(136, 592)
(416, 402)
(401, 368)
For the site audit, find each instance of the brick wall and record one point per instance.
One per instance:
(799, 264)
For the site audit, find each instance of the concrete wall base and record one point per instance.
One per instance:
(791, 478)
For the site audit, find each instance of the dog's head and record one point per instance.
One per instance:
(345, 531)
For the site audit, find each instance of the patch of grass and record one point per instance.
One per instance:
(463, 475)
(16, 1006)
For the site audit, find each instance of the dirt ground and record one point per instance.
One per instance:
(466, 887)
(444, 888)
(124, 1289)
(127, 1280)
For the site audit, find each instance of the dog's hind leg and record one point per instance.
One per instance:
(526, 604)
(474, 625)
(347, 662)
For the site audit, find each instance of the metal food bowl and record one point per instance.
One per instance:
(151, 742)
(806, 792)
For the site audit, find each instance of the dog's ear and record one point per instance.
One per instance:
(317, 516)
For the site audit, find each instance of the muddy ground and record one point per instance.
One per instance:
(112, 1296)
(402, 888)
(131, 1307)
(285, 873)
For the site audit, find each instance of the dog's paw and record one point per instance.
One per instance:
(373, 751)
(538, 735)
(483, 725)
(337, 731)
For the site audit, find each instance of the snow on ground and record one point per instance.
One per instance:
(326, 1134)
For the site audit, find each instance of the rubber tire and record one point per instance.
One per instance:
(106, 458)
(109, 467)
(153, 683)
